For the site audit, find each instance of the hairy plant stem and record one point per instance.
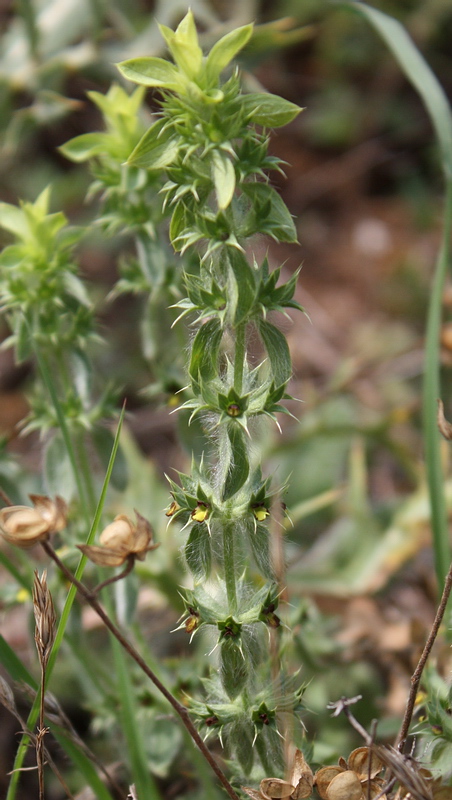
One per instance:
(417, 674)
(229, 566)
(180, 710)
(239, 356)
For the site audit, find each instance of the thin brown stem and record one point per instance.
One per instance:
(40, 758)
(180, 710)
(417, 674)
(118, 577)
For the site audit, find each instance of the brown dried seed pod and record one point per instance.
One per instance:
(358, 761)
(323, 778)
(373, 788)
(342, 763)
(302, 777)
(442, 793)
(275, 789)
(345, 786)
(253, 793)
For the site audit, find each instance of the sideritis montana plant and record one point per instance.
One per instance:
(203, 165)
(211, 140)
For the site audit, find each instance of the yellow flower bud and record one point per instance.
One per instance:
(24, 526)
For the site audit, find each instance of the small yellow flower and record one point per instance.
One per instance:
(24, 526)
(260, 512)
(200, 513)
(119, 540)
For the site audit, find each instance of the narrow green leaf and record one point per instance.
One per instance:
(239, 465)
(278, 352)
(198, 552)
(183, 46)
(177, 225)
(20, 674)
(140, 772)
(58, 472)
(13, 219)
(260, 546)
(203, 361)
(13, 665)
(34, 713)
(435, 100)
(278, 220)
(156, 149)
(269, 110)
(7, 563)
(103, 441)
(225, 50)
(233, 668)
(223, 175)
(151, 71)
(243, 294)
(83, 147)
(418, 72)
(83, 764)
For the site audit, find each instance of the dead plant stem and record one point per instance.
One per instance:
(417, 674)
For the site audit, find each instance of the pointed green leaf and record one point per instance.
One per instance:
(13, 219)
(225, 50)
(239, 466)
(157, 149)
(204, 354)
(278, 352)
(183, 45)
(151, 71)
(233, 668)
(278, 221)
(269, 110)
(223, 175)
(243, 294)
(42, 203)
(198, 552)
(177, 225)
(83, 147)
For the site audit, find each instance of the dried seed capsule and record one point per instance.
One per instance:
(275, 789)
(358, 761)
(323, 778)
(345, 786)
(119, 540)
(24, 526)
(302, 777)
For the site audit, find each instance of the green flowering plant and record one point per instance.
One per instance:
(211, 140)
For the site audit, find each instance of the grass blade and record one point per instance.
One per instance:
(435, 101)
(32, 718)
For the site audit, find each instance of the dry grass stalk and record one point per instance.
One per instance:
(45, 631)
(7, 700)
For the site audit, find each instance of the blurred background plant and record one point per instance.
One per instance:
(364, 186)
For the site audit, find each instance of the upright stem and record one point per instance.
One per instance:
(239, 356)
(229, 566)
(432, 392)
